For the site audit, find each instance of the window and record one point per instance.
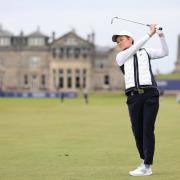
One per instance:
(34, 77)
(61, 53)
(77, 72)
(76, 52)
(69, 71)
(101, 66)
(61, 72)
(36, 41)
(69, 52)
(77, 82)
(61, 82)
(85, 52)
(61, 79)
(84, 71)
(4, 41)
(106, 79)
(69, 78)
(85, 56)
(69, 82)
(43, 80)
(25, 79)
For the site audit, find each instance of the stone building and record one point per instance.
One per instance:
(38, 63)
(177, 70)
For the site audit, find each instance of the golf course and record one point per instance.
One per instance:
(44, 139)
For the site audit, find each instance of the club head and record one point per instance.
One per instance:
(112, 20)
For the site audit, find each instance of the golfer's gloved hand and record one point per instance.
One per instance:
(158, 30)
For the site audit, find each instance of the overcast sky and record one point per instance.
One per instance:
(87, 15)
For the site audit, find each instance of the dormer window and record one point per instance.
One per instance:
(5, 41)
(35, 41)
(37, 38)
(5, 37)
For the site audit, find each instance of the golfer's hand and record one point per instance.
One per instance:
(160, 33)
(152, 29)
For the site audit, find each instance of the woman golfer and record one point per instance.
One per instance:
(141, 90)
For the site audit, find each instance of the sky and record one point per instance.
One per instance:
(86, 16)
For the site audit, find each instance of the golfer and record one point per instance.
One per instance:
(141, 90)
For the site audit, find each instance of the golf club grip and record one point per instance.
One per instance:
(158, 28)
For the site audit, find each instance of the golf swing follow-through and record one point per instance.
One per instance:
(141, 89)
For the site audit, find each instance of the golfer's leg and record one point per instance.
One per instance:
(151, 107)
(135, 112)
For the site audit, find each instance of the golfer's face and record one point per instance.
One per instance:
(124, 42)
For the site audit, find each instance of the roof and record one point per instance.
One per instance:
(37, 33)
(72, 33)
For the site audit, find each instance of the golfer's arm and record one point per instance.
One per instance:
(126, 54)
(159, 53)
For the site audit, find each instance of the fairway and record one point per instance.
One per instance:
(42, 139)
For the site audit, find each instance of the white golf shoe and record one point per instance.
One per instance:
(142, 170)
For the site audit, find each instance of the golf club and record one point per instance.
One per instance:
(112, 20)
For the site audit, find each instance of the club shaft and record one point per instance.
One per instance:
(159, 28)
(132, 21)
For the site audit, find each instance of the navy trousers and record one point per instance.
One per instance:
(143, 109)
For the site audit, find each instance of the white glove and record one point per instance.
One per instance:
(159, 30)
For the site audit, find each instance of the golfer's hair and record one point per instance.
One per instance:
(131, 38)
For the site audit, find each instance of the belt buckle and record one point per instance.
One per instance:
(140, 91)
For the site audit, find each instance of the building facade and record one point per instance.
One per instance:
(177, 70)
(39, 63)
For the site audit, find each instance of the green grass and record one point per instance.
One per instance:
(42, 139)
(172, 76)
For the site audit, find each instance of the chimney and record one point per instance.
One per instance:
(93, 37)
(21, 33)
(53, 36)
(89, 37)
